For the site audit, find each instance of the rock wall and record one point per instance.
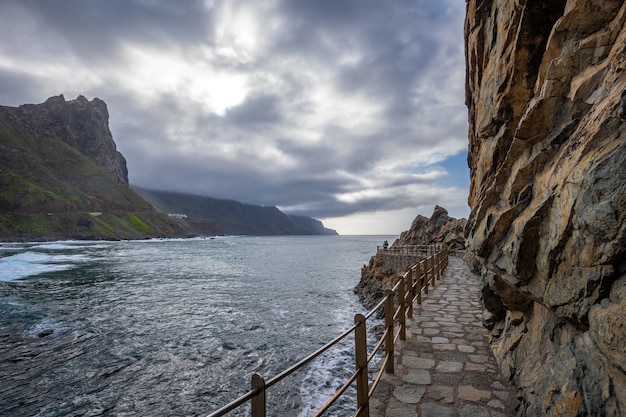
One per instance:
(546, 94)
(439, 228)
(82, 124)
(382, 272)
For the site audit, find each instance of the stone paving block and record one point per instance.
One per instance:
(451, 335)
(479, 358)
(396, 408)
(436, 410)
(446, 379)
(444, 346)
(418, 376)
(469, 393)
(467, 348)
(418, 362)
(440, 340)
(449, 367)
(409, 394)
(441, 393)
(472, 410)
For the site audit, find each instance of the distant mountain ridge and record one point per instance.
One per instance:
(61, 177)
(212, 216)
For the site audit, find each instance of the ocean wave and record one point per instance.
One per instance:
(45, 327)
(32, 263)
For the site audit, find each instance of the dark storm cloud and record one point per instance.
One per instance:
(94, 27)
(325, 108)
(257, 109)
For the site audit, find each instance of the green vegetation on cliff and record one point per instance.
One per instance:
(51, 190)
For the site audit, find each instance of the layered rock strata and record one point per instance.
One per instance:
(546, 93)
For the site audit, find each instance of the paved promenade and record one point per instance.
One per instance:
(445, 367)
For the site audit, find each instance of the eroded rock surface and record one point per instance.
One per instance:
(546, 93)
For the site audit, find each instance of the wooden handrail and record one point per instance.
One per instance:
(406, 291)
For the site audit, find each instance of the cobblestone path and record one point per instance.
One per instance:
(445, 366)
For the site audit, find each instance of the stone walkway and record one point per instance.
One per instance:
(445, 367)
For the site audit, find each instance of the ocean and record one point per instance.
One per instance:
(175, 327)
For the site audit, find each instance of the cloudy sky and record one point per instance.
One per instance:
(349, 111)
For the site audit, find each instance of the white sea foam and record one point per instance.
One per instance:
(325, 376)
(31, 263)
(45, 325)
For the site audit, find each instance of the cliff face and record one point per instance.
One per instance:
(82, 124)
(546, 93)
(61, 177)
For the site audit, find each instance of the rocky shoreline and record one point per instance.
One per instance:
(378, 275)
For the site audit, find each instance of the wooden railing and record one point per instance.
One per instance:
(397, 306)
(412, 250)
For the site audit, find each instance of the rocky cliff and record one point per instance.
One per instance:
(62, 177)
(439, 228)
(380, 274)
(82, 124)
(546, 93)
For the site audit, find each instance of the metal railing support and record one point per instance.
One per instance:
(389, 332)
(258, 401)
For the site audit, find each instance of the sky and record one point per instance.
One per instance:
(348, 111)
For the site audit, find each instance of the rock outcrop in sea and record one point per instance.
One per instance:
(546, 88)
(382, 274)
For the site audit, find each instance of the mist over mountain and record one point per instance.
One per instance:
(212, 216)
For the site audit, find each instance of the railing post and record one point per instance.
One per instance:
(419, 277)
(425, 275)
(411, 292)
(433, 269)
(439, 264)
(360, 344)
(258, 401)
(402, 306)
(389, 335)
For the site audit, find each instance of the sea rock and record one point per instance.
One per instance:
(439, 228)
(545, 91)
(382, 273)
